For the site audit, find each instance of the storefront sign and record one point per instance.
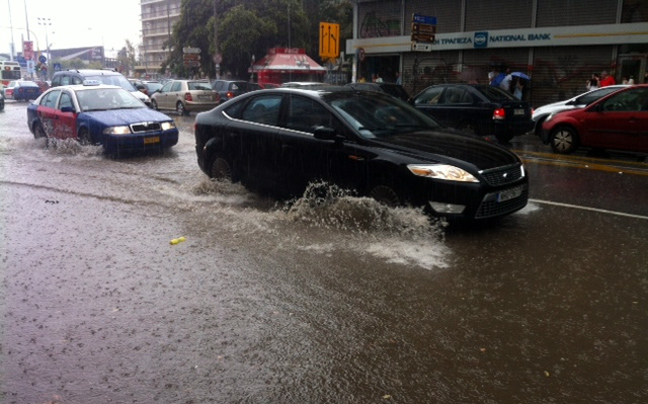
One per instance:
(610, 34)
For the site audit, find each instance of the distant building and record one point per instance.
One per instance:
(558, 43)
(158, 18)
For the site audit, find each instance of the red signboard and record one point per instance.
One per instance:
(28, 50)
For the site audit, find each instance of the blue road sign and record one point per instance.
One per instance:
(424, 19)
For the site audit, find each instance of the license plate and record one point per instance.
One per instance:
(509, 194)
(205, 97)
(518, 112)
(149, 140)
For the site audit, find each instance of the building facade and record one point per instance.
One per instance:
(559, 43)
(158, 18)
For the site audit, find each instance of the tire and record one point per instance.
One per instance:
(221, 169)
(180, 109)
(154, 105)
(386, 195)
(84, 137)
(38, 131)
(564, 140)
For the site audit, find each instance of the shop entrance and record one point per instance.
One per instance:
(385, 66)
(632, 66)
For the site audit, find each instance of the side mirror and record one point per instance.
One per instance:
(325, 133)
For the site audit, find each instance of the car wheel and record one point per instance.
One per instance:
(221, 169)
(180, 109)
(385, 194)
(84, 137)
(38, 131)
(564, 140)
(154, 104)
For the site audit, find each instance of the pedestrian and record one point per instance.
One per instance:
(593, 82)
(378, 78)
(506, 83)
(519, 88)
(631, 81)
(399, 79)
(606, 79)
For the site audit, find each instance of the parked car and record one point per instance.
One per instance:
(479, 109)
(280, 140)
(304, 84)
(185, 96)
(105, 76)
(268, 85)
(146, 86)
(22, 90)
(152, 87)
(617, 121)
(228, 89)
(392, 89)
(580, 101)
(95, 113)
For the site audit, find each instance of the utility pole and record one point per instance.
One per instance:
(216, 52)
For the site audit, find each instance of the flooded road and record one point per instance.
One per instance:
(336, 301)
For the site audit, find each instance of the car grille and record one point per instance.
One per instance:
(490, 207)
(145, 127)
(503, 176)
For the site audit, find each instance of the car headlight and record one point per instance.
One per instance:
(442, 172)
(167, 125)
(117, 130)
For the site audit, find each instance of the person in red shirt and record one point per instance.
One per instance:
(606, 79)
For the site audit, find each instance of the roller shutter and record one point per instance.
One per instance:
(558, 13)
(503, 14)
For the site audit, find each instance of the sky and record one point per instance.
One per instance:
(74, 24)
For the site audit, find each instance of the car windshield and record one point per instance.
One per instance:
(114, 80)
(376, 117)
(592, 96)
(152, 87)
(105, 99)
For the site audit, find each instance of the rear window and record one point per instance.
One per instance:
(198, 85)
(495, 94)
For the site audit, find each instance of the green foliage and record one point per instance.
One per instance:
(251, 27)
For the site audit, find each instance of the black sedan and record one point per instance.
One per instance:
(479, 109)
(281, 140)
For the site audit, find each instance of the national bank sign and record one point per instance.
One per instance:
(607, 34)
(482, 39)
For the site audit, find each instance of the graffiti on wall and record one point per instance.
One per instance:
(374, 27)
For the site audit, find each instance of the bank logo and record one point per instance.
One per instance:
(481, 40)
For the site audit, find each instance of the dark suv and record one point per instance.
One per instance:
(479, 109)
(228, 89)
(105, 76)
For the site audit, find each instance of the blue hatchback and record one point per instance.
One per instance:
(100, 114)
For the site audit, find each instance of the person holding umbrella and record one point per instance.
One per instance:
(519, 84)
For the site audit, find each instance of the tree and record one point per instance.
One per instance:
(251, 27)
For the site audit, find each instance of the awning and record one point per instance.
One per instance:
(287, 59)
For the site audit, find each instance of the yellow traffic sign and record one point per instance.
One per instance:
(329, 40)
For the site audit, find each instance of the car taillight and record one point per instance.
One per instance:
(188, 97)
(499, 113)
(230, 95)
